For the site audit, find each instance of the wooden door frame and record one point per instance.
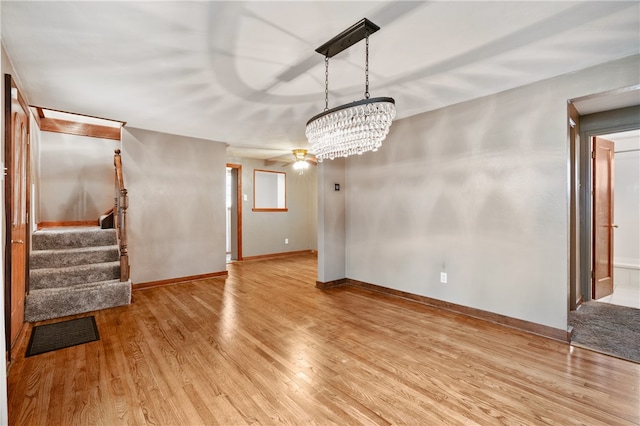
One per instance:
(238, 168)
(596, 124)
(574, 291)
(9, 85)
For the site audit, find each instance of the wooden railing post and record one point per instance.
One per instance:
(120, 217)
(124, 252)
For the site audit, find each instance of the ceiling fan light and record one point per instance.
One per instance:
(300, 165)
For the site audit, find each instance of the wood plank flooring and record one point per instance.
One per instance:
(264, 346)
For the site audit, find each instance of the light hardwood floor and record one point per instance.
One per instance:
(264, 346)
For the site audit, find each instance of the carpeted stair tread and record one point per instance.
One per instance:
(72, 275)
(55, 258)
(57, 238)
(72, 271)
(50, 303)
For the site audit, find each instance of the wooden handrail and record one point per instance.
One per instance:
(120, 216)
(117, 162)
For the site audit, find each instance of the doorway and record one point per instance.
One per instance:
(603, 327)
(234, 212)
(16, 207)
(625, 284)
(621, 128)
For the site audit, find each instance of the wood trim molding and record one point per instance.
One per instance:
(80, 129)
(272, 255)
(43, 225)
(573, 132)
(37, 115)
(270, 210)
(522, 325)
(23, 335)
(331, 284)
(162, 283)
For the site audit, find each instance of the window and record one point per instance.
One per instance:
(269, 191)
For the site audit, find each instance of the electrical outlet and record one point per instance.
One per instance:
(443, 277)
(286, 241)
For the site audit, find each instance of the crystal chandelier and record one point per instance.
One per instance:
(355, 127)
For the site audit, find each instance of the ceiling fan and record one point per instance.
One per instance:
(301, 160)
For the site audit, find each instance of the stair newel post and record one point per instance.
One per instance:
(117, 162)
(124, 252)
(120, 217)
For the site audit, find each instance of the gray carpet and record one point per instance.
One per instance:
(73, 270)
(610, 329)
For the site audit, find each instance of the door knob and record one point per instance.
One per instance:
(17, 241)
(614, 226)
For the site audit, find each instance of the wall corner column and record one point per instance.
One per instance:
(331, 223)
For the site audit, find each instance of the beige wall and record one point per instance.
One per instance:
(265, 232)
(76, 177)
(477, 190)
(176, 215)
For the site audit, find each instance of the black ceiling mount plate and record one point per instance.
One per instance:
(348, 38)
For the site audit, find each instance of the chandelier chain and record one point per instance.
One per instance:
(366, 70)
(326, 83)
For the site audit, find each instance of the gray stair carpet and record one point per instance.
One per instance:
(74, 270)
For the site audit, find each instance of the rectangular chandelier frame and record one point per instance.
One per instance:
(348, 38)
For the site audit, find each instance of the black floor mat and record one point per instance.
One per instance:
(64, 334)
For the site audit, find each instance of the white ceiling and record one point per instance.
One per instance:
(246, 73)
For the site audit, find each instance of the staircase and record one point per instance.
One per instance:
(74, 270)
